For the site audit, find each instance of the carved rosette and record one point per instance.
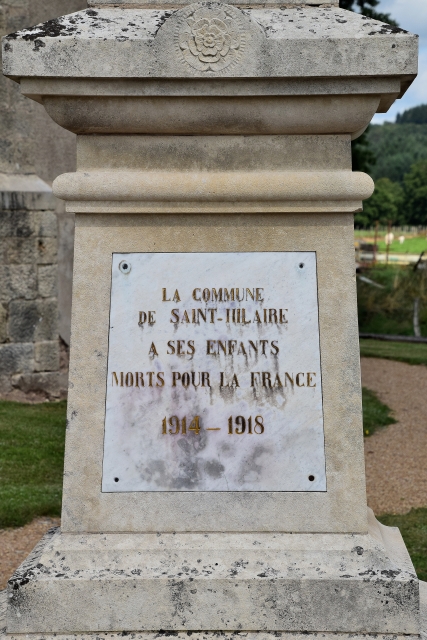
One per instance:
(211, 37)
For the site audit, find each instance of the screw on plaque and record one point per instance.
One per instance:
(301, 265)
(125, 267)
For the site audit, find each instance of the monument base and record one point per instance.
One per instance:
(295, 584)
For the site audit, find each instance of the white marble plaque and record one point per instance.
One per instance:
(214, 375)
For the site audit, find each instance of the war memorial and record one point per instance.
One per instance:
(214, 476)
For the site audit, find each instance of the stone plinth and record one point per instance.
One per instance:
(215, 131)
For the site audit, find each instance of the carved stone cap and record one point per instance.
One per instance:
(144, 4)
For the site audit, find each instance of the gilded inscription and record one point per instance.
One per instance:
(204, 375)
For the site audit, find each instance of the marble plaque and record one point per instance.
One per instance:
(214, 373)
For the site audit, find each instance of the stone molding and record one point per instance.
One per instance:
(214, 115)
(258, 190)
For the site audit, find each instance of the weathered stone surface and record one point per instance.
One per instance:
(45, 224)
(18, 250)
(46, 356)
(33, 320)
(47, 328)
(45, 382)
(46, 250)
(17, 281)
(3, 323)
(227, 635)
(192, 582)
(16, 224)
(16, 358)
(28, 270)
(141, 4)
(285, 43)
(24, 317)
(5, 388)
(47, 276)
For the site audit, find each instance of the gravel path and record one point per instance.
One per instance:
(396, 457)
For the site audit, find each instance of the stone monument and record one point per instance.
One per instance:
(214, 476)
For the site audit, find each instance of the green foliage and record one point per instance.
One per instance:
(416, 115)
(31, 461)
(397, 148)
(413, 527)
(366, 7)
(363, 157)
(375, 413)
(385, 205)
(390, 310)
(401, 351)
(415, 184)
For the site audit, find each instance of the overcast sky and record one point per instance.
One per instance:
(412, 16)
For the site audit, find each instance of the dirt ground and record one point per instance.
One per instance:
(396, 457)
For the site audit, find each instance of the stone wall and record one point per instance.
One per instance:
(36, 236)
(29, 340)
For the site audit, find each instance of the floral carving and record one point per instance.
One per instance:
(211, 39)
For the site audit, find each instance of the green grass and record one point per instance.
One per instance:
(411, 245)
(413, 527)
(400, 351)
(31, 461)
(375, 413)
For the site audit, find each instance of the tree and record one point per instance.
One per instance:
(415, 186)
(410, 290)
(384, 206)
(397, 147)
(362, 155)
(416, 115)
(367, 8)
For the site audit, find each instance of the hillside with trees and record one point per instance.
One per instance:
(396, 148)
(395, 156)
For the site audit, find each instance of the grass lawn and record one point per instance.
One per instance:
(31, 461)
(401, 351)
(375, 413)
(413, 527)
(411, 245)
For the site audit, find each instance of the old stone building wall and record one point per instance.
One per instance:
(29, 345)
(36, 236)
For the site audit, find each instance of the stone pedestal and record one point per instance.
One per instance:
(214, 130)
